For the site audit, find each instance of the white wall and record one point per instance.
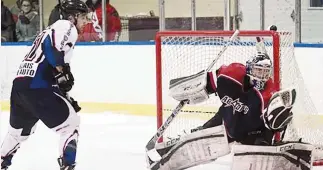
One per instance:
(278, 12)
(126, 73)
(173, 8)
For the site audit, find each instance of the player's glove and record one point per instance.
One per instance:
(65, 79)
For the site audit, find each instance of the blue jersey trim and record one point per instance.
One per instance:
(54, 57)
(38, 81)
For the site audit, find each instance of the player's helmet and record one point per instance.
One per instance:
(73, 8)
(259, 68)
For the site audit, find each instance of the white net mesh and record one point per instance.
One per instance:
(184, 55)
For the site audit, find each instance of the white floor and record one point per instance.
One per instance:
(107, 142)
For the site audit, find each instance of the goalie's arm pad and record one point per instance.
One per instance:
(195, 88)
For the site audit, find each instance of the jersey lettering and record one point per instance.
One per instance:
(27, 69)
(236, 104)
(66, 37)
(29, 65)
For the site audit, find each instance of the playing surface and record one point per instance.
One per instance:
(107, 141)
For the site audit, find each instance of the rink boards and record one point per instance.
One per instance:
(189, 112)
(131, 89)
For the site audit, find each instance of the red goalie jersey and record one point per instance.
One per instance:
(242, 103)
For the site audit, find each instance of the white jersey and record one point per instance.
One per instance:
(52, 47)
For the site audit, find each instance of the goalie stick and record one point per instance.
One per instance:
(150, 147)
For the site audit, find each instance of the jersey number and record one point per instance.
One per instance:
(32, 54)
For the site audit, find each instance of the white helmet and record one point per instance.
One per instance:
(259, 68)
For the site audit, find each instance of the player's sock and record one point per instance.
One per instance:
(67, 162)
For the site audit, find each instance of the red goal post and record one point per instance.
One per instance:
(183, 53)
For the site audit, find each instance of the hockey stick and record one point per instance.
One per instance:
(260, 45)
(150, 147)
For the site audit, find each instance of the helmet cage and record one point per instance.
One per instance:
(260, 72)
(259, 69)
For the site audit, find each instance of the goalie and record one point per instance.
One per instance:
(252, 113)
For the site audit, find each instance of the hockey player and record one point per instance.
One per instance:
(253, 112)
(39, 90)
(245, 92)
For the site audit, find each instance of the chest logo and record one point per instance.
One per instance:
(236, 104)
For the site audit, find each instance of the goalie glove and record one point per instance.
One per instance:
(278, 113)
(191, 88)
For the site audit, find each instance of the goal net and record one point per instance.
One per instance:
(183, 53)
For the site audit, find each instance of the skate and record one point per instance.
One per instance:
(62, 165)
(5, 162)
(68, 161)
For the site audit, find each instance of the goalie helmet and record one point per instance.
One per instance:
(259, 69)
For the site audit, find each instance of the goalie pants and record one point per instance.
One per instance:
(29, 106)
(261, 136)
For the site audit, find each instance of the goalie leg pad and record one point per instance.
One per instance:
(293, 155)
(196, 148)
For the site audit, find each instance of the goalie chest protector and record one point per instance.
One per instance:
(241, 109)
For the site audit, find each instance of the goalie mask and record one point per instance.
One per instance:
(259, 69)
(279, 111)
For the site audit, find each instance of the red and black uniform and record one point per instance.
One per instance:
(242, 104)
